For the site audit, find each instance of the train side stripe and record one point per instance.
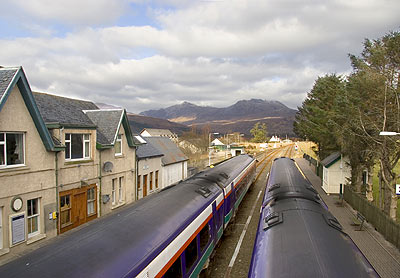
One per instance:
(180, 251)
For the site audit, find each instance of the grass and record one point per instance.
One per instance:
(307, 148)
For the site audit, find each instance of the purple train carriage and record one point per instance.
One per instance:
(167, 234)
(297, 236)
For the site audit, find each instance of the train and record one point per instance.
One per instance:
(297, 236)
(168, 234)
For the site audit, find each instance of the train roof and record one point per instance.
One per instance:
(130, 238)
(299, 238)
(287, 181)
(225, 172)
(118, 244)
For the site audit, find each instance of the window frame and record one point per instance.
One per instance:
(156, 179)
(92, 201)
(37, 216)
(120, 190)
(118, 141)
(3, 145)
(68, 209)
(86, 146)
(113, 193)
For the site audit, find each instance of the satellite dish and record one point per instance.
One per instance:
(108, 166)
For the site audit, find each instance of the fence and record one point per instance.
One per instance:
(318, 168)
(382, 223)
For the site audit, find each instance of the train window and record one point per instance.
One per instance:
(175, 271)
(191, 254)
(204, 237)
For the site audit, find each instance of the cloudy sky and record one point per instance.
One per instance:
(151, 54)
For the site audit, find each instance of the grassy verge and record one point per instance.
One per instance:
(307, 148)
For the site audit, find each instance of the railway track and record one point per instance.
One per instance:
(232, 257)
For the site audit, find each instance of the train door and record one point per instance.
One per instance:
(216, 223)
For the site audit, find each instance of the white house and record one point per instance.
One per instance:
(336, 170)
(174, 162)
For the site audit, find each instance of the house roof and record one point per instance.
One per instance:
(64, 112)
(6, 78)
(108, 122)
(147, 150)
(217, 142)
(11, 77)
(331, 159)
(158, 132)
(172, 154)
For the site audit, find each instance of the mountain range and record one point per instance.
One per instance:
(239, 117)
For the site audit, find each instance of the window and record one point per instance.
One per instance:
(65, 210)
(77, 146)
(91, 201)
(118, 145)
(113, 197)
(204, 237)
(11, 149)
(191, 254)
(151, 180)
(33, 217)
(138, 182)
(156, 179)
(175, 271)
(120, 192)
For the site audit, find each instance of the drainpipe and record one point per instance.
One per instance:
(57, 200)
(100, 177)
(136, 176)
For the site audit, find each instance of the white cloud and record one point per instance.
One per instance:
(212, 53)
(73, 12)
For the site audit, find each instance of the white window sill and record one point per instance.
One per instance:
(120, 155)
(14, 167)
(35, 238)
(118, 205)
(4, 251)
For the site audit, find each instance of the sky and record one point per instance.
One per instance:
(152, 54)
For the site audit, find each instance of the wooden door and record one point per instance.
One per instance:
(144, 185)
(79, 209)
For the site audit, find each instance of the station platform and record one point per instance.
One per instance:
(383, 255)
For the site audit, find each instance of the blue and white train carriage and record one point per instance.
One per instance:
(168, 234)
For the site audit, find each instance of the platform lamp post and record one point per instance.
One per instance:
(209, 146)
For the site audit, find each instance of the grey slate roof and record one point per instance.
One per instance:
(147, 151)
(6, 76)
(107, 122)
(329, 160)
(172, 154)
(64, 111)
(158, 132)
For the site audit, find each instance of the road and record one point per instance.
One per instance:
(232, 257)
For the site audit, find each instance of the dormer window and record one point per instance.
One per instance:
(77, 146)
(118, 145)
(11, 149)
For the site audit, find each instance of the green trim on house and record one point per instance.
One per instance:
(21, 81)
(128, 131)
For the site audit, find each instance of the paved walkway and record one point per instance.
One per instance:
(383, 256)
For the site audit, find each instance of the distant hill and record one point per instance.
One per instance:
(138, 123)
(239, 117)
